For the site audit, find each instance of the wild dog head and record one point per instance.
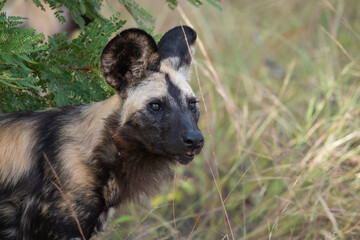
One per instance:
(159, 110)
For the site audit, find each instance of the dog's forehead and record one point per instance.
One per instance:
(152, 88)
(159, 84)
(178, 79)
(166, 84)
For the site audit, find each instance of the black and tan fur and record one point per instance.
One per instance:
(101, 155)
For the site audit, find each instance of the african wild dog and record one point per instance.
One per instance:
(103, 154)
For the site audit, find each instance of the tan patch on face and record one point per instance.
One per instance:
(16, 144)
(138, 97)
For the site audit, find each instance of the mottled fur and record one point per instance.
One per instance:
(101, 155)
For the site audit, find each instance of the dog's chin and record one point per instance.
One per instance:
(185, 158)
(182, 158)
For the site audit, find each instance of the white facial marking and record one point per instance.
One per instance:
(154, 87)
(178, 78)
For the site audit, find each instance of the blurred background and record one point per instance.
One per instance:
(279, 84)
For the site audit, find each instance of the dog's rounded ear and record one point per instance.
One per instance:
(177, 48)
(128, 57)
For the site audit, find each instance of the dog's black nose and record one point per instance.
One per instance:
(193, 139)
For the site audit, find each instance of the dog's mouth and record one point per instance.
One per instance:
(185, 158)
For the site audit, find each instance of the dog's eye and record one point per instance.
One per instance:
(155, 106)
(192, 105)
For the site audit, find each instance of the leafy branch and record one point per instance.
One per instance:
(37, 74)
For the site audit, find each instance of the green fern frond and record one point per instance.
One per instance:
(196, 3)
(39, 4)
(215, 3)
(17, 45)
(143, 19)
(172, 4)
(2, 4)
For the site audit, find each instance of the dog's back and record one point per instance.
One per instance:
(42, 153)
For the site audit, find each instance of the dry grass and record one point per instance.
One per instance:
(281, 84)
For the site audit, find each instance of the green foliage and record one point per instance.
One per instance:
(18, 64)
(35, 74)
(215, 3)
(60, 72)
(16, 45)
(173, 3)
(143, 19)
(77, 9)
